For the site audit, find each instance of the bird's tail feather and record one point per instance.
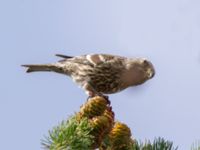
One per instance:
(42, 67)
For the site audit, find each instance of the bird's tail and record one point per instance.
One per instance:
(43, 67)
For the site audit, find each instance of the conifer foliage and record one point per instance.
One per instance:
(95, 127)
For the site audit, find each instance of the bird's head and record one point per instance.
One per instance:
(147, 67)
(140, 70)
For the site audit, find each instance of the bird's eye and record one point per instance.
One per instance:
(145, 62)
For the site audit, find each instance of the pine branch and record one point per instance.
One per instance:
(195, 145)
(158, 144)
(70, 134)
(95, 127)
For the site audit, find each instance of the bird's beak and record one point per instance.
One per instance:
(150, 73)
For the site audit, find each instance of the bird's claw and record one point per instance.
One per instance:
(101, 95)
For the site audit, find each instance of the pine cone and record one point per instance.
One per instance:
(120, 137)
(94, 107)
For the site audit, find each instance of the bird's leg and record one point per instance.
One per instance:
(91, 92)
(88, 90)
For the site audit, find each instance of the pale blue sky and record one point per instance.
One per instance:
(166, 32)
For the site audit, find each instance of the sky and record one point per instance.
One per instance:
(165, 32)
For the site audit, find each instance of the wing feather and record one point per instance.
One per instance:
(64, 56)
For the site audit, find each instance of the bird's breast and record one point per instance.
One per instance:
(102, 78)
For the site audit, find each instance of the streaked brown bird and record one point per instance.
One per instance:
(100, 74)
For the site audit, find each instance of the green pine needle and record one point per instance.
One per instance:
(70, 135)
(158, 144)
(196, 145)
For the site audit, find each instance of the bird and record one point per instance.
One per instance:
(100, 74)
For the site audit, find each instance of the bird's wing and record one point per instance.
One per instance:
(91, 59)
(64, 56)
(96, 59)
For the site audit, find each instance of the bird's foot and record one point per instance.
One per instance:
(91, 95)
(105, 97)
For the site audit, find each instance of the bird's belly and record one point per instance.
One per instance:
(106, 83)
(102, 79)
